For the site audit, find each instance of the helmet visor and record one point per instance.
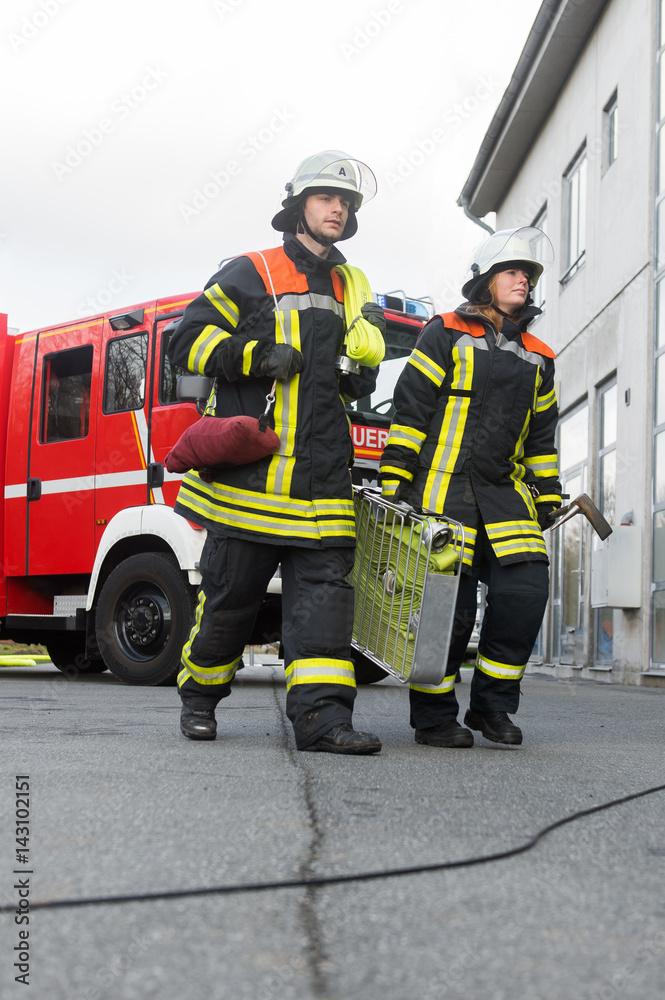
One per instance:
(528, 244)
(335, 169)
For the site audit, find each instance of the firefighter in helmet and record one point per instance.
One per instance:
(275, 320)
(473, 437)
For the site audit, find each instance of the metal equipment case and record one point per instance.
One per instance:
(405, 577)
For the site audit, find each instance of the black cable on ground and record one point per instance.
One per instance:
(229, 890)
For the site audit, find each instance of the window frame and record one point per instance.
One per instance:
(575, 202)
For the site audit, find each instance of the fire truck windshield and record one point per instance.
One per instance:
(400, 341)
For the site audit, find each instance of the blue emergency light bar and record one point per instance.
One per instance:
(410, 306)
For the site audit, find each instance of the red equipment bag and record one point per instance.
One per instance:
(217, 442)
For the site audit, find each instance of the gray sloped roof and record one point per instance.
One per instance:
(559, 33)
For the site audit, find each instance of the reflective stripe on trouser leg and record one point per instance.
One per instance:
(516, 599)
(317, 619)
(234, 578)
(432, 704)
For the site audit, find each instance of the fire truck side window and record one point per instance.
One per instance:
(66, 395)
(124, 381)
(169, 374)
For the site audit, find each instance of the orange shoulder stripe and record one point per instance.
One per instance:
(285, 276)
(457, 322)
(537, 346)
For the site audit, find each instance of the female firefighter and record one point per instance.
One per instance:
(472, 437)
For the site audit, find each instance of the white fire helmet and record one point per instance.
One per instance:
(527, 245)
(329, 169)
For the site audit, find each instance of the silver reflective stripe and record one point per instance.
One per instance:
(478, 343)
(512, 348)
(308, 300)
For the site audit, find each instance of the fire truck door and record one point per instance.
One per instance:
(61, 461)
(124, 454)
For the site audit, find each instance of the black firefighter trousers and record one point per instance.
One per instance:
(317, 618)
(516, 600)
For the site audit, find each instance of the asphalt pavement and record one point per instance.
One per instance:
(120, 804)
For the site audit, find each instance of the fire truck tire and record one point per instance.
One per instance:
(367, 672)
(67, 652)
(144, 615)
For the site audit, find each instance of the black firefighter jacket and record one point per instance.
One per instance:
(473, 434)
(302, 493)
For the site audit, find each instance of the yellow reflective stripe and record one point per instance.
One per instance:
(549, 498)
(504, 671)
(544, 402)
(407, 437)
(402, 473)
(516, 537)
(280, 506)
(446, 685)
(543, 466)
(520, 546)
(428, 367)
(220, 674)
(503, 529)
(203, 346)
(247, 353)
(389, 487)
(518, 469)
(452, 431)
(282, 463)
(470, 538)
(318, 671)
(270, 515)
(223, 304)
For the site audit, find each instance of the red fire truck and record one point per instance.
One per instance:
(94, 563)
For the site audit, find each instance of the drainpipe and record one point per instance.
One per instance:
(463, 202)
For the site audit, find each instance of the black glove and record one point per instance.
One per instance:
(374, 314)
(546, 519)
(282, 362)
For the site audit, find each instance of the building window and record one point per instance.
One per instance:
(611, 131)
(568, 544)
(538, 294)
(607, 451)
(575, 217)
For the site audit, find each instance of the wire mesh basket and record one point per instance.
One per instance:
(405, 578)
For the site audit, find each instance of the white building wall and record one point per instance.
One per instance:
(600, 322)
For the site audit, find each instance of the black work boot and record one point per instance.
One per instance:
(446, 734)
(344, 739)
(198, 723)
(495, 726)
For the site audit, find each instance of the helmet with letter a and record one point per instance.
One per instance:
(329, 170)
(527, 247)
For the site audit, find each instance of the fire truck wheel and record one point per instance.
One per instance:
(367, 672)
(144, 615)
(67, 652)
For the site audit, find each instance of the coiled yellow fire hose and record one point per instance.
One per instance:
(363, 340)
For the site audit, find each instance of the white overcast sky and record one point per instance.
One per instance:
(115, 114)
